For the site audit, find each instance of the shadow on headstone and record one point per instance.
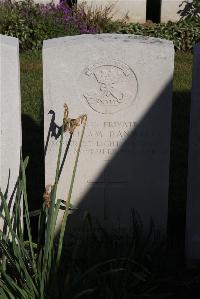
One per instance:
(135, 160)
(109, 193)
(54, 130)
(33, 146)
(116, 195)
(92, 200)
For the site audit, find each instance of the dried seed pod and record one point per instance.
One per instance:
(46, 195)
(71, 124)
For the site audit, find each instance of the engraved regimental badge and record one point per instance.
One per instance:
(109, 86)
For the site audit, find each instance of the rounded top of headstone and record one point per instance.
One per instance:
(106, 37)
(9, 40)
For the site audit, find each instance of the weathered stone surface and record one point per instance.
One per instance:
(135, 9)
(193, 204)
(172, 10)
(124, 85)
(10, 110)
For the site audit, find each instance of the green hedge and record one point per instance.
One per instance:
(185, 34)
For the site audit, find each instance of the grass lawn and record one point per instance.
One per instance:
(32, 124)
(31, 86)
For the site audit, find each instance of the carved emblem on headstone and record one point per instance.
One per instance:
(109, 86)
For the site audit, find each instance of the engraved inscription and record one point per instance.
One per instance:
(109, 86)
(105, 138)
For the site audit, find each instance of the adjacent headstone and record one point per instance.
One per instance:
(124, 85)
(10, 120)
(134, 9)
(193, 205)
(172, 10)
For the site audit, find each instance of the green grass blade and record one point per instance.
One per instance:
(3, 294)
(18, 247)
(60, 244)
(11, 232)
(55, 215)
(49, 233)
(14, 285)
(5, 251)
(28, 225)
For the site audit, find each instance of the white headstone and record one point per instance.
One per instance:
(170, 9)
(10, 111)
(193, 204)
(135, 9)
(124, 85)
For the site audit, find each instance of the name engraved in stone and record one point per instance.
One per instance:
(109, 86)
(108, 137)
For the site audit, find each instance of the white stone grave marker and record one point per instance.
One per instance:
(124, 85)
(10, 111)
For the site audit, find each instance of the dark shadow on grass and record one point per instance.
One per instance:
(178, 174)
(33, 146)
(136, 176)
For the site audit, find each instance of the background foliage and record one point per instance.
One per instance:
(32, 23)
(184, 34)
